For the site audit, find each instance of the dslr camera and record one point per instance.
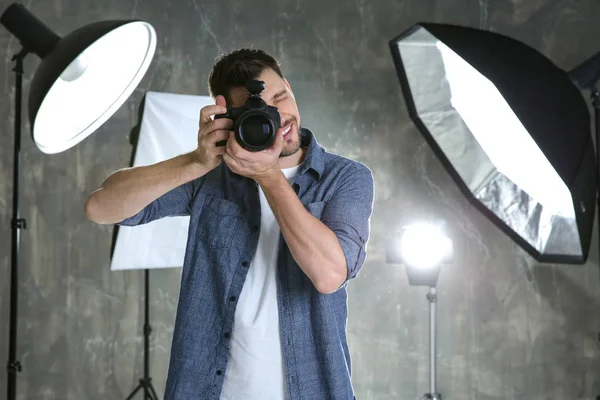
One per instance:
(255, 123)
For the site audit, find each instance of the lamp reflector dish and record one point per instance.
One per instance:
(94, 86)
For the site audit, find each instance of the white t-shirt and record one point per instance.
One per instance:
(255, 369)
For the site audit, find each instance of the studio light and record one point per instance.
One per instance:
(423, 248)
(511, 128)
(82, 79)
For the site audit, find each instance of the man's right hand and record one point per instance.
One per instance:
(210, 132)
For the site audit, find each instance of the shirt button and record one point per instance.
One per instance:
(245, 264)
(227, 335)
(232, 298)
(219, 372)
(255, 228)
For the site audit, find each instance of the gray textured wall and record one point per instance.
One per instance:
(509, 329)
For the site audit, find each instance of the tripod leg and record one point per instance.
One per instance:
(146, 382)
(154, 396)
(137, 389)
(149, 392)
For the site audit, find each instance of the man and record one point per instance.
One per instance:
(274, 237)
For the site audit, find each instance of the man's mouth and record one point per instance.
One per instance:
(287, 130)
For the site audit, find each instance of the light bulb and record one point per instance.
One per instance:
(76, 69)
(424, 246)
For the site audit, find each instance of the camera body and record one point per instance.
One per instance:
(255, 123)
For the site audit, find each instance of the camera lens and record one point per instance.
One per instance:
(256, 130)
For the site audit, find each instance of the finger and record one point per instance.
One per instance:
(278, 143)
(217, 136)
(233, 147)
(220, 101)
(230, 140)
(220, 151)
(208, 111)
(229, 160)
(218, 124)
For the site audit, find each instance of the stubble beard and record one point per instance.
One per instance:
(291, 147)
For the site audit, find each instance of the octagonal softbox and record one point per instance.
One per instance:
(510, 127)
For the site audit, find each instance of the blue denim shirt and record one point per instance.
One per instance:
(224, 210)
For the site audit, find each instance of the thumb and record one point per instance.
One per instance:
(278, 143)
(220, 101)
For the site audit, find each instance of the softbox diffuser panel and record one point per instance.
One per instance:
(169, 127)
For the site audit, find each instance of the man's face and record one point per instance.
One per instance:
(278, 94)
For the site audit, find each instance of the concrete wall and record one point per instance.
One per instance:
(508, 327)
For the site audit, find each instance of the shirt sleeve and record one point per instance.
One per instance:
(175, 203)
(348, 215)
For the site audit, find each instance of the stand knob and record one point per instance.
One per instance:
(14, 366)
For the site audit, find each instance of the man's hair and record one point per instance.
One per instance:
(238, 67)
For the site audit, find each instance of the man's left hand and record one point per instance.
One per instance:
(255, 165)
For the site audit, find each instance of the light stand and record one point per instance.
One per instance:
(595, 97)
(106, 59)
(160, 244)
(585, 76)
(17, 223)
(146, 381)
(423, 249)
(433, 394)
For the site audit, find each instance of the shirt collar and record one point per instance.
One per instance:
(313, 160)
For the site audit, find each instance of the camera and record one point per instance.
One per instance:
(255, 123)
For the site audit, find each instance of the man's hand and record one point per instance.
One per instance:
(209, 156)
(256, 165)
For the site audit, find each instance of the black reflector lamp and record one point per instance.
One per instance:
(511, 128)
(82, 79)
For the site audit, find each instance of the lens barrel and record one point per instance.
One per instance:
(255, 130)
